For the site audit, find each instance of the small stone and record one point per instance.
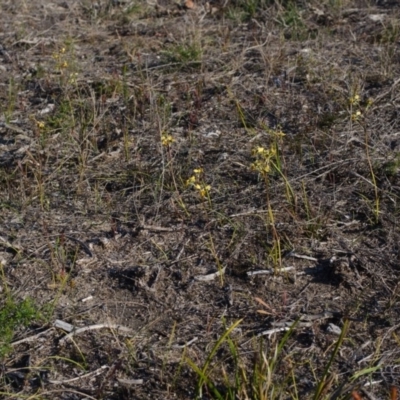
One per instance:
(332, 328)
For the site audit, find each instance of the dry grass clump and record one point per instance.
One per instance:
(199, 200)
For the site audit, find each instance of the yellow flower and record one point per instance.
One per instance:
(265, 169)
(264, 157)
(261, 166)
(40, 124)
(356, 115)
(259, 150)
(198, 171)
(73, 77)
(191, 181)
(203, 191)
(167, 139)
(355, 99)
(272, 152)
(279, 133)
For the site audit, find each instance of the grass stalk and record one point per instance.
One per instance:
(373, 177)
(204, 373)
(324, 382)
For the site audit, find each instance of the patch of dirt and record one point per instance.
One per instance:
(101, 228)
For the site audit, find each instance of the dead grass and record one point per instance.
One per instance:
(210, 191)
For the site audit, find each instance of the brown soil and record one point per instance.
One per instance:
(98, 225)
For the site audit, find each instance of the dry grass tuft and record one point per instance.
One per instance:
(205, 193)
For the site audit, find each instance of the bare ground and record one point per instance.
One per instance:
(99, 226)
